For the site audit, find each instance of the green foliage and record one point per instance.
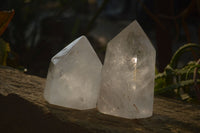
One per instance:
(4, 50)
(180, 51)
(179, 82)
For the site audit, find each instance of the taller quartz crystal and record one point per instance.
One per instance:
(74, 76)
(127, 85)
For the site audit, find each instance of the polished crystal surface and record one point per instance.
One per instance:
(127, 85)
(74, 75)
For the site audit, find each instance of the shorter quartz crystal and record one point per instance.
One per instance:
(74, 75)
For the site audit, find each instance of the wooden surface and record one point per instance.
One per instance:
(24, 110)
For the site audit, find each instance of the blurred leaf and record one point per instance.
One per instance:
(184, 96)
(5, 18)
(4, 49)
(175, 86)
(180, 51)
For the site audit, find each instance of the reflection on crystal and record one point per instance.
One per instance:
(133, 87)
(74, 76)
(128, 75)
(134, 60)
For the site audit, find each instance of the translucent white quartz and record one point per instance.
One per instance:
(74, 75)
(127, 85)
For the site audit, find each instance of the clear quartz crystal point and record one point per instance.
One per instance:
(127, 86)
(74, 76)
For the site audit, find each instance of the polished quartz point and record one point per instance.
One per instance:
(74, 75)
(127, 85)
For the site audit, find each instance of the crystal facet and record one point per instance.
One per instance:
(127, 85)
(74, 76)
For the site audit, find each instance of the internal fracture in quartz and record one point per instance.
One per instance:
(127, 85)
(74, 76)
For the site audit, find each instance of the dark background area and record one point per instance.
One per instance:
(41, 28)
